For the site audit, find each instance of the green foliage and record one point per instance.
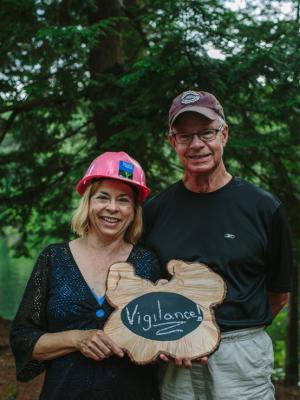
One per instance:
(277, 331)
(11, 392)
(78, 78)
(57, 113)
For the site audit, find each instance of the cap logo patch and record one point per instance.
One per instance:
(189, 97)
(126, 169)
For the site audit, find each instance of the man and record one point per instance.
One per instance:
(238, 230)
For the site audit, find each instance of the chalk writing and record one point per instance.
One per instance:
(162, 316)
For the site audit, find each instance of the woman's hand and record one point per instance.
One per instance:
(93, 344)
(96, 344)
(183, 362)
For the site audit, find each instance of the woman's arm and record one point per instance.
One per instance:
(30, 322)
(53, 345)
(94, 344)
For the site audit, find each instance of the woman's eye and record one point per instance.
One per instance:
(102, 197)
(124, 200)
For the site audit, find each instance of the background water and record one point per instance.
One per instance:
(14, 273)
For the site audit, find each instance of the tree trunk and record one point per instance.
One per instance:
(105, 56)
(288, 194)
(292, 357)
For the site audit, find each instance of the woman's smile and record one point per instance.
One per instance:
(110, 221)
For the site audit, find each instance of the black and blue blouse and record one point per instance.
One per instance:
(56, 299)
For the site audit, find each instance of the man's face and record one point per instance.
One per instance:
(199, 157)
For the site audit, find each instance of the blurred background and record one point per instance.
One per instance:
(81, 77)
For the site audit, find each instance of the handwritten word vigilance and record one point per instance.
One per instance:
(164, 322)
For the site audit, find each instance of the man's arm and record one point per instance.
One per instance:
(277, 301)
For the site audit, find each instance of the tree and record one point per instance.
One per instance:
(52, 116)
(83, 77)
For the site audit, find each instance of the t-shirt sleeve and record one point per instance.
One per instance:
(149, 211)
(30, 322)
(279, 254)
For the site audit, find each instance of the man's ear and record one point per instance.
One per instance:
(172, 140)
(225, 135)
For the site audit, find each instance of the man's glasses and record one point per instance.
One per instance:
(207, 135)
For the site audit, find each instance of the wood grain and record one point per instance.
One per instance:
(194, 281)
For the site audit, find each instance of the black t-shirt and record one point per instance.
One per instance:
(240, 231)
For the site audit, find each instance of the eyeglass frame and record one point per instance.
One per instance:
(217, 130)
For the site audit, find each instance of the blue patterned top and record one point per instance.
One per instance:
(57, 298)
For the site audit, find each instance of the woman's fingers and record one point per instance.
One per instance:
(109, 344)
(91, 351)
(97, 345)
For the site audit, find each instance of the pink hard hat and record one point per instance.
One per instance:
(116, 165)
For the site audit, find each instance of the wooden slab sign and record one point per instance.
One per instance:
(173, 317)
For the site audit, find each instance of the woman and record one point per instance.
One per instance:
(58, 327)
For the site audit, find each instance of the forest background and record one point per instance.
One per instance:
(81, 77)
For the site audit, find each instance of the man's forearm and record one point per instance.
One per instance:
(277, 301)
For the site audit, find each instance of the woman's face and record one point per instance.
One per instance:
(111, 209)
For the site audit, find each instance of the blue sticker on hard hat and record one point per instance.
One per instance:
(126, 169)
(190, 97)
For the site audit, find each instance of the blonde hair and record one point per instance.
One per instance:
(80, 218)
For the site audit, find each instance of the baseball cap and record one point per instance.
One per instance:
(197, 101)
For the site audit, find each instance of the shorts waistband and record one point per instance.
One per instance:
(241, 334)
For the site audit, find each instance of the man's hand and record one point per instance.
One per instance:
(185, 362)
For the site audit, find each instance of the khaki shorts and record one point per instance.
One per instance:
(239, 370)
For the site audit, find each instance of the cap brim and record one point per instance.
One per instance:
(207, 112)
